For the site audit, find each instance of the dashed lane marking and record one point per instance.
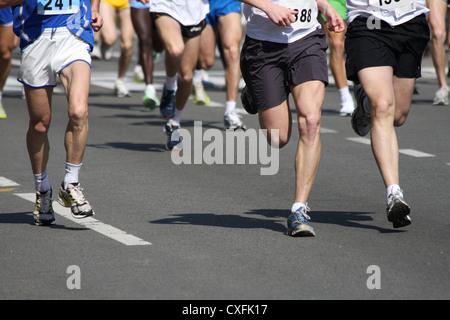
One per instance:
(93, 224)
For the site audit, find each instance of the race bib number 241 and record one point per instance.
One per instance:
(52, 7)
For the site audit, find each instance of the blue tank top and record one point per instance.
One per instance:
(33, 16)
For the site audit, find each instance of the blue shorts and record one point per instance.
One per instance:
(218, 8)
(6, 17)
(136, 4)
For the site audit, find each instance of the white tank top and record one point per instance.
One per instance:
(394, 12)
(260, 27)
(187, 12)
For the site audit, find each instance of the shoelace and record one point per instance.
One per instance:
(234, 117)
(76, 193)
(43, 203)
(302, 215)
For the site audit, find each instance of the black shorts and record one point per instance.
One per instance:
(400, 47)
(186, 31)
(269, 69)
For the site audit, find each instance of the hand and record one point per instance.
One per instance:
(281, 16)
(97, 21)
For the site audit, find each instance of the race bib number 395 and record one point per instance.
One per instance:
(49, 7)
(307, 12)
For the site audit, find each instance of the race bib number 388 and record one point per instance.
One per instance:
(307, 12)
(49, 7)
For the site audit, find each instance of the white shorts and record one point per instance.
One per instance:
(44, 59)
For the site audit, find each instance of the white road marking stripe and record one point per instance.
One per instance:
(360, 140)
(408, 152)
(93, 224)
(4, 182)
(415, 153)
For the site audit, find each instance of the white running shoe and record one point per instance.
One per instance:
(441, 96)
(121, 89)
(2, 111)
(232, 121)
(200, 96)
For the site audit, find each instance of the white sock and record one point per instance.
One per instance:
(150, 88)
(394, 188)
(177, 116)
(296, 206)
(197, 76)
(172, 83)
(41, 182)
(345, 94)
(230, 106)
(72, 172)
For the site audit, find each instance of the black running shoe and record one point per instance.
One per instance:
(361, 120)
(247, 101)
(397, 211)
(167, 106)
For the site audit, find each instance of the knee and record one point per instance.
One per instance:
(207, 63)
(175, 51)
(309, 126)
(278, 138)
(40, 125)
(400, 119)
(78, 114)
(439, 35)
(382, 108)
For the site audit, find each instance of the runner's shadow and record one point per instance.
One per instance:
(276, 221)
(27, 218)
(222, 220)
(144, 147)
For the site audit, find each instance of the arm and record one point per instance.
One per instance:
(97, 20)
(334, 20)
(281, 16)
(9, 3)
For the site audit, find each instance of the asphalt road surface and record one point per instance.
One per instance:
(199, 231)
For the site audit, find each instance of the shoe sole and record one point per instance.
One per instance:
(150, 104)
(301, 230)
(398, 213)
(62, 201)
(202, 103)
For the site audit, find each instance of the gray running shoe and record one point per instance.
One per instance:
(43, 213)
(298, 223)
(73, 198)
(361, 119)
(441, 96)
(232, 121)
(172, 130)
(398, 210)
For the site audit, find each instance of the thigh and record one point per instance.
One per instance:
(76, 81)
(230, 29)
(278, 118)
(377, 83)
(39, 104)
(169, 31)
(126, 27)
(7, 40)
(208, 46)
(142, 23)
(308, 98)
(190, 57)
(436, 16)
(109, 29)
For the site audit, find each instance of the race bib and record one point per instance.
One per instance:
(307, 12)
(399, 7)
(53, 7)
